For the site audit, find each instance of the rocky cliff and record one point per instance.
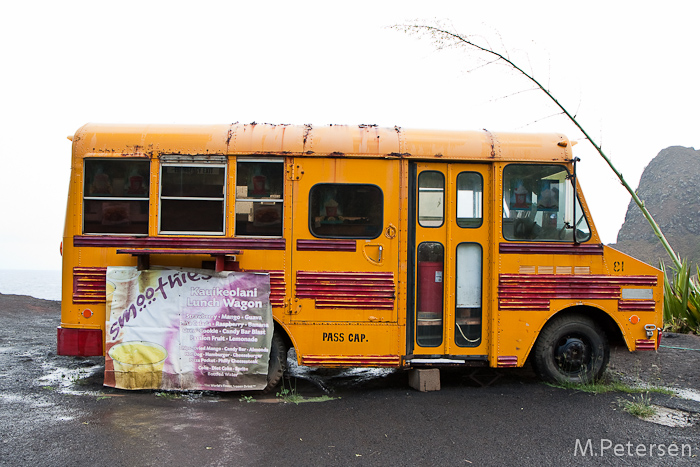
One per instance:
(670, 189)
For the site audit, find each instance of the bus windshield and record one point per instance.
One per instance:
(539, 204)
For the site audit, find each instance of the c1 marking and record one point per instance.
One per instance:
(619, 266)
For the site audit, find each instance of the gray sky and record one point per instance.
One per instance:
(629, 73)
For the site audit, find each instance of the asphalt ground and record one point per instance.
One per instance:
(54, 411)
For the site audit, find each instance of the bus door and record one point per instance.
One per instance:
(345, 242)
(448, 248)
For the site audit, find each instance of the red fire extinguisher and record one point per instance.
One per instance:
(430, 286)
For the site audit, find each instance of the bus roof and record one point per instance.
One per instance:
(312, 141)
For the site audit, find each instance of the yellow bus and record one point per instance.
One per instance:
(385, 247)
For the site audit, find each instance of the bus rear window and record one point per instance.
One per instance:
(345, 210)
(115, 196)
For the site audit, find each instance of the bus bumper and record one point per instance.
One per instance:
(79, 342)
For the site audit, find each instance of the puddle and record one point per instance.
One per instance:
(688, 394)
(33, 402)
(671, 417)
(68, 380)
(681, 393)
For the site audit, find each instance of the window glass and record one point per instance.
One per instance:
(539, 204)
(259, 197)
(468, 296)
(429, 294)
(470, 187)
(192, 199)
(188, 181)
(345, 210)
(431, 199)
(115, 196)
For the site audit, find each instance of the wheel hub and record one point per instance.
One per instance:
(572, 353)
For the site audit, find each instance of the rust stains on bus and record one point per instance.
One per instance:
(493, 143)
(307, 133)
(138, 151)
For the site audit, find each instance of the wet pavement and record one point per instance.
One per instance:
(55, 411)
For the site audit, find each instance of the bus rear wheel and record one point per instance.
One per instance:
(571, 349)
(278, 362)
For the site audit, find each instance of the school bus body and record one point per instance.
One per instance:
(385, 246)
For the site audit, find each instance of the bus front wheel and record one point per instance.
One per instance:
(278, 362)
(571, 349)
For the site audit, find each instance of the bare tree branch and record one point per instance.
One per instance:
(543, 118)
(496, 99)
(444, 34)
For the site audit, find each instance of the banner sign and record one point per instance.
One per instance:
(187, 329)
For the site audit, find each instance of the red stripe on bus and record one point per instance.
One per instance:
(326, 245)
(533, 291)
(351, 360)
(347, 289)
(89, 285)
(550, 249)
(106, 241)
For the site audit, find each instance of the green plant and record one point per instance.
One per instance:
(168, 395)
(639, 406)
(291, 395)
(80, 380)
(248, 399)
(681, 299)
(601, 387)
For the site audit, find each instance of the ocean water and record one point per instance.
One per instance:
(38, 284)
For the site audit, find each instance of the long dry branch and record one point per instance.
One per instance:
(432, 30)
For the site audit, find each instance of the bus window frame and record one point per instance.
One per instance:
(246, 199)
(223, 199)
(567, 202)
(349, 237)
(89, 160)
(469, 222)
(425, 223)
(468, 269)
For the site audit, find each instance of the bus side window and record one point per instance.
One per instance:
(431, 199)
(192, 198)
(115, 196)
(345, 210)
(468, 295)
(259, 197)
(470, 188)
(429, 294)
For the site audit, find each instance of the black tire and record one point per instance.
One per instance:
(278, 362)
(571, 349)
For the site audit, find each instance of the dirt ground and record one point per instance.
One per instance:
(676, 364)
(495, 417)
